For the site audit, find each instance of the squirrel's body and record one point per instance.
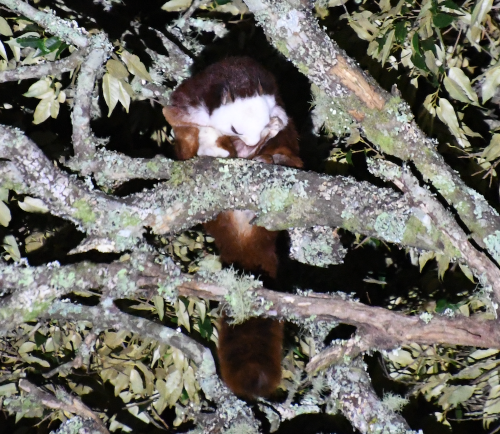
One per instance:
(233, 109)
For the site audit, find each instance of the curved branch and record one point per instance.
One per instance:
(387, 122)
(49, 21)
(61, 401)
(284, 197)
(35, 289)
(83, 144)
(48, 68)
(359, 403)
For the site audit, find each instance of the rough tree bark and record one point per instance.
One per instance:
(185, 196)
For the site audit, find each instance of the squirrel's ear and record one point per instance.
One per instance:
(175, 116)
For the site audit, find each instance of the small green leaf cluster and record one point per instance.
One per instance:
(460, 380)
(439, 40)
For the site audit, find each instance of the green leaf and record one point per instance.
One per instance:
(5, 215)
(52, 44)
(40, 89)
(3, 53)
(447, 115)
(44, 109)
(424, 257)
(206, 328)
(492, 151)
(443, 304)
(430, 62)
(450, 4)
(27, 347)
(9, 388)
(116, 69)
(419, 62)
(10, 245)
(61, 48)
(31, 204)
(44, 45)
(136, 382)
(442, 20)
(33, 359)
(415, 43)
(5, 29)
(110, 90)
(490, 83)
(455, 395)
(183, 316)
(492, 406)
(466, 270)
(443, 264)
(479, 14)
(386, 50)
(482, 354)
(189, 380)
(469, 373)
(459, 87)
(40, 339)
(160, 305)
(348, 157)
(401, 357)
(31, 41)
(176, 5)
(135, 66)
(400, 31)
(428, 44)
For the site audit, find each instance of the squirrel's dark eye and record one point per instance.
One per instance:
(234, 131)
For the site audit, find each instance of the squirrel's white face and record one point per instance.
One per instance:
(244, 118)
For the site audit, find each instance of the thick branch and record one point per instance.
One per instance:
(421, 198)
(99, 215)
(49, 21)
(35, 289)
(48, 68)
(357, 400)
(201, 188)
(62, 401)
(82, 135)
(386, 121)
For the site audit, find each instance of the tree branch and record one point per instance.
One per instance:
(83, 145)
(36, 288)
(48, 68)
(284, 197)
(387, 122)
(61, 401)
(357, 400)
(69, 31)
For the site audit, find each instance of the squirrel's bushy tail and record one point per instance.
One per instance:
(250, 356)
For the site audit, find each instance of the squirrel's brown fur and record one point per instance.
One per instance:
(249, 353)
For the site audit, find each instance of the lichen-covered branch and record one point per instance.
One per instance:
(61, 401)
(386, 121)
(83, 145)
(200, 188)
(66, 30)
(34, 290)
(104, 218)
(106, 316)
(176, 65)
(48, 68)
(421, 198)
(352, 389)
(110, 169)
